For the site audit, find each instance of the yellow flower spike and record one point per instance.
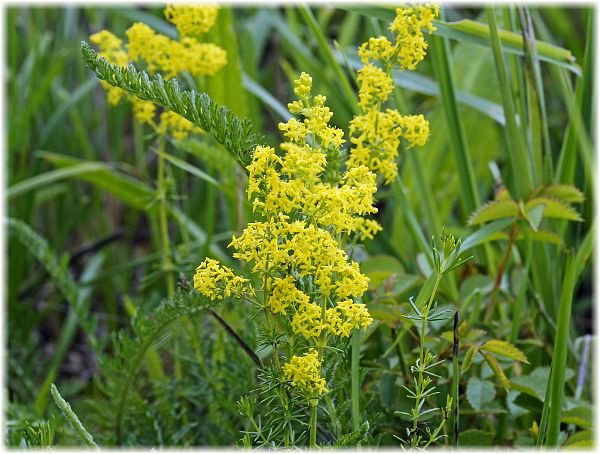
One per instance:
(304, 373)
(192, 20)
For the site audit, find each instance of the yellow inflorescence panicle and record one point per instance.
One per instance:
(376, 134)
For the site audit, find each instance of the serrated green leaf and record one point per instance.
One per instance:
(554, 208)
(480, 392)
(580, 416)
(466, 364)
(580, 440)
(565, 192)
(505, 349)
(491, 211)
(495, 366)
(534, 216)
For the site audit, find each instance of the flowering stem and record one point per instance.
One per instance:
(355, 379)
(313, 423)
(419, 391)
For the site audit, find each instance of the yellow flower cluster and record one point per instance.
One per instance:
(111, 49)
(219, 282)
(376, 134)
(303, 250)
(284, 294)
(409, 47)
(176, 126)
(192, 20)
(170, 57)
(304, 373)
(294, 248)
(376, 137)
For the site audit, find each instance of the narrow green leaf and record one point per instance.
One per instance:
(442, 63)
(517, 152)
(52, 176)
(183, 165)
(580, 440)
(497, 369)
(86, 439)
(468, 360)
(559, 354)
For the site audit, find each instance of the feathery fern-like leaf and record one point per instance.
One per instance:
(235, 134)
(122, 368)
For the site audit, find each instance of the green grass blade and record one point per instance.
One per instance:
(559, 354)
(52, 176)
(517, 153)
(442, 63)
(350, 96)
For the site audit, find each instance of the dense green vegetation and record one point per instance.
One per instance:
(107, 220)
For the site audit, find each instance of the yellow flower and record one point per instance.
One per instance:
(375, 85)
(111, 49)
(192, 20)
(218, 282)
(284, 293)
(304, 372)
(346, 316)
(410, 44)
(143, 110)
(170, 57)
(307, 320)
(175, 125)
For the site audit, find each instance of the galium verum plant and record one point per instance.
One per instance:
(312, 205)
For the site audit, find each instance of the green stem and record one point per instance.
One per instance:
(356, 341)
(456, 378)
(167, 264)
(420, 389)
(313, 423)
